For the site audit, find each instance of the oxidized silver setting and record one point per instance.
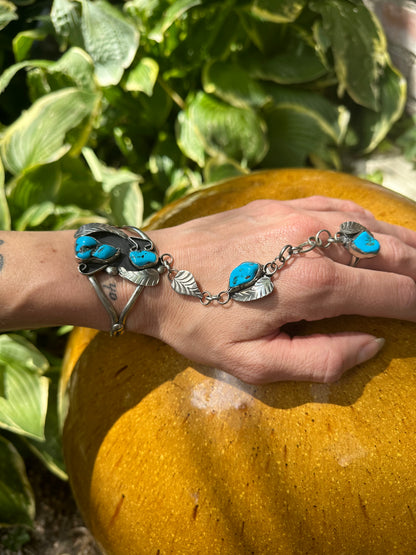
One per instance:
(120, 246)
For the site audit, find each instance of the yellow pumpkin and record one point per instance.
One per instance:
(165, 456)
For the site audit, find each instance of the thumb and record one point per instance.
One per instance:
(316, 358)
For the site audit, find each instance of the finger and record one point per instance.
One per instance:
(329, 289)
(317, 358)
(395, 256)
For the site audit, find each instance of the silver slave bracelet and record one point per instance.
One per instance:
(101, 247)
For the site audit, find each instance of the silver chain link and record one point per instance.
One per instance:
(269, 269)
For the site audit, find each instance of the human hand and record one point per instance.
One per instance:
(246, 339)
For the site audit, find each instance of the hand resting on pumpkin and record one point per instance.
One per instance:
(41, 286)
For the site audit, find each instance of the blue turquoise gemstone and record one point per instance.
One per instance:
(84, 246)
(105, 252)
(141, 259)
(366, 243)
(243, 274)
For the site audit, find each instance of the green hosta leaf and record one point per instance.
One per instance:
(11, 71)
(359, 48)
(220, 169)
(4, 207)
(233, 84)
(17, 503)
(109, 38)
(78, 66)
(333, 120)
(184, 181)
(23, 42)
(23, 389)
(7, 13)
(75, 65)
(142, 77)
(174, 12)
(66, 19)
(49, 451)
(47, 215)
(122, 186)
(300, 65)
(38, 136)
(302, 125)
(277, 11)
(209, 126)
(372, 126)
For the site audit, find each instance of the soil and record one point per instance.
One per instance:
(58, 527)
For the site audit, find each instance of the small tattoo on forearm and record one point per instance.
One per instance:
(112, 290)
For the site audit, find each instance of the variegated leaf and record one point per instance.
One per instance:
(261, 288)
(148, 277)
(184, 283)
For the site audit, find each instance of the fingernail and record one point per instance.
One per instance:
(371, 349)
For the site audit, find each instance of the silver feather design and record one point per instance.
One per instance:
(261, 288)
(148, 277)
(88, 229)
(184, 283)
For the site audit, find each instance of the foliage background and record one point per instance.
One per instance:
(108, 110)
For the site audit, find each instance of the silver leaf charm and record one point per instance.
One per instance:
(261, 288)
(184, 283)
(87, 229)
(148, 277)
(351, 228)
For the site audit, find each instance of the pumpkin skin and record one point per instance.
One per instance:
(166, 456)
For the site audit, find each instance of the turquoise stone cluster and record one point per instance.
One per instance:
(87, 247)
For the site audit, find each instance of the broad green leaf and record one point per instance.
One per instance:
(220, 169)
(332, 119)
(21, 369)
(109, 38)
(165, 159)
(7, 13)
(183, 182)
(297, 66)
(77, 65)
(38, 136)
(372, 127)
(5, 222)
(232, 83)
(48, 215)
(17, 503)
(22, 42)
(359, 48)
(174, 12)
(34, 186)
(122, 186)
(66, 19)
(296, 133)
(49, 451)
(11, 71)
(209, 126)
(142, 77)
(277, 11)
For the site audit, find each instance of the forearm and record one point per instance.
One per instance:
(40, 284)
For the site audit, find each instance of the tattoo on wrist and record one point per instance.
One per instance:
(111, 290)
